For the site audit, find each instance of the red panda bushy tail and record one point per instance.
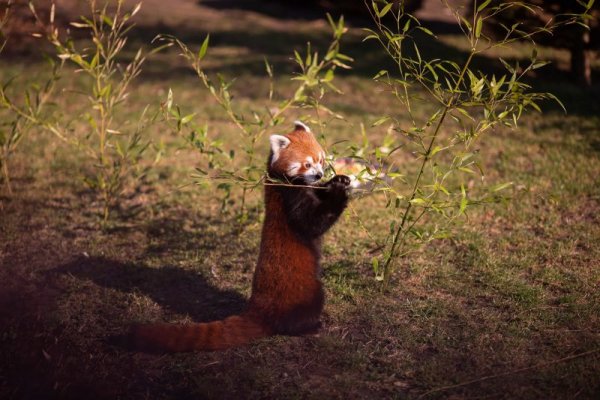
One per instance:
(233, 331)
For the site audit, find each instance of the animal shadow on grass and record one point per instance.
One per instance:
(177, 291)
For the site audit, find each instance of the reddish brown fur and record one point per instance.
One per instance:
(218, 335)
(287, 297)
(287, 271)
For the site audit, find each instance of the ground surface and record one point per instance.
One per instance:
(509, 308)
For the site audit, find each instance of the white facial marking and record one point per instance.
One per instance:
(293, 169)
(278, 143)
(302, 126)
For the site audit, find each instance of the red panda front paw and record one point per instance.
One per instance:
(338, 185)
(343, 179)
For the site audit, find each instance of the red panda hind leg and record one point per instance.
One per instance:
(301, 319)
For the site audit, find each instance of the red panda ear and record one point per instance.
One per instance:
(278, 143)
(301, 126)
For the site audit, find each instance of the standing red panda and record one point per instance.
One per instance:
(287, 295)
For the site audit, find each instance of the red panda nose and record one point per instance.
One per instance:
(318, 175)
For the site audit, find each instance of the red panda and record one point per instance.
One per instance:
(287, 295)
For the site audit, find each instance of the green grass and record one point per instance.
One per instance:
(516, 287)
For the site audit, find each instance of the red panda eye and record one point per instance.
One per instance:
(307, 165)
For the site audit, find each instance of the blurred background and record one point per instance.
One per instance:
(247, 24)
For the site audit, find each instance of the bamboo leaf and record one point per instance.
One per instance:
(483, 5)
(375, 8)
(427, 31)
(78, 25)
(375, 263)
(187, 118)
(502, 186)
(203, 48)
(553, 97)
(136, 9)
(435, 150)
(463, 200)
(478, 27)
(418, 201)
(108, 20)
(430, 68)
(380, 121)
(385, 10)
(169, 100)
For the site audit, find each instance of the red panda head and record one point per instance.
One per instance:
(296, 157)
